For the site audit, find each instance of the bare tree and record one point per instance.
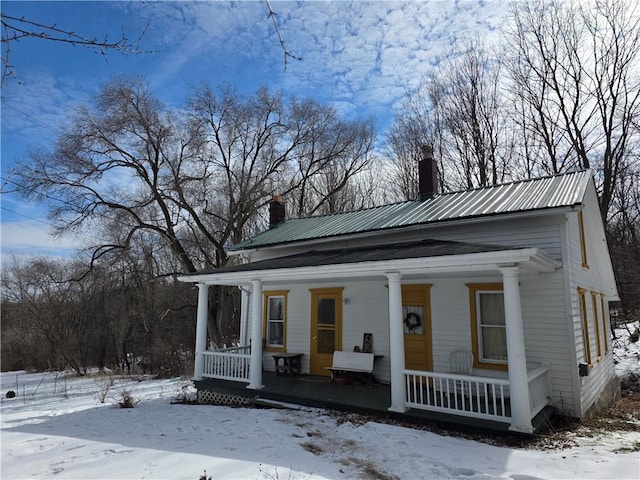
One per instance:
(195, 180)
(330, 154)
(287, 54)
(575, 71)
(15, 29)
(48, 314)
(460, 112)
(477, 137)
(417, 124)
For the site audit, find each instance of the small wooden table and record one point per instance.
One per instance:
(291, 363)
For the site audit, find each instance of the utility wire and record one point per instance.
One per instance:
(30, 117)
(25, 216)
(50, 197)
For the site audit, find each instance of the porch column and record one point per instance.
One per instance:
(244, 316)
(255, 369)
(396, 345)
(201, 330)
(517, 360)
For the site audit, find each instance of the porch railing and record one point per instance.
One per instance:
(539, 388)
(465, 395)
(228, 363)
(472, 396)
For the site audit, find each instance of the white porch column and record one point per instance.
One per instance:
(518, 382)
(244, 316)
(255, 373)
(396, 345)
(201, 330)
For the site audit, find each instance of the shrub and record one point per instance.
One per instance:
(104, 386)
(125, 399)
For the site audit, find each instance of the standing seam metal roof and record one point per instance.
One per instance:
(556, 191)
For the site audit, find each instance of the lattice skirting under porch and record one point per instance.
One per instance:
(206, 397)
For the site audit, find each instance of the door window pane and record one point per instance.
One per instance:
(326, 311)
(326, 341)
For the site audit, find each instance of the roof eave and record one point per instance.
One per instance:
(532, 260)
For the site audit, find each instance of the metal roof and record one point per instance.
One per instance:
(556, 191)
(314, 258)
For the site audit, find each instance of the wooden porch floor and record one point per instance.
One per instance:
(366, 398)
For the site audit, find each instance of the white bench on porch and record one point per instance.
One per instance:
(360, 364)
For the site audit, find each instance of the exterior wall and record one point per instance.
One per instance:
(602, 370)
(550, 302)
(365, 309)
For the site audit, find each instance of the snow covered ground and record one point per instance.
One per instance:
(56, 427)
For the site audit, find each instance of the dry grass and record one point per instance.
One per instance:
(313, 448)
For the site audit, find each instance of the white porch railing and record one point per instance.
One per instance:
(539, 388)
(464, 395)
(471, 396)
(228, 363)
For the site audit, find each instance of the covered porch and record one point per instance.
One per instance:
(362, 398)
(512, 399)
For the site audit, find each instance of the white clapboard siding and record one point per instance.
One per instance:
(602, 370)
(550, 304)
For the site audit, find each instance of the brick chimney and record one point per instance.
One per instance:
(427, 174)
(276, 211)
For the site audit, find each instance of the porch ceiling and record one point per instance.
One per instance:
(427, 257)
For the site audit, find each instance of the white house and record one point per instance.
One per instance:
(519, 274)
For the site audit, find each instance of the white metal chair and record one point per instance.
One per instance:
(461, 363)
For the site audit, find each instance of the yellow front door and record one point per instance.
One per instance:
(416, 316)
(326, 328)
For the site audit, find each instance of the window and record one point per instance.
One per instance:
(275, 320)
(488, 329)
(594, 307)
(583, 241)
(603, 316)
(582, 295)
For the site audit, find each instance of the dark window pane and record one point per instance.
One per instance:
(275, 308)
(275, 335)
(326, 311)
(494, 343)
(492, 308)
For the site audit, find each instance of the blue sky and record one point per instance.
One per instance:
(361, 57)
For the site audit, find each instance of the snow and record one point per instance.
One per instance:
(627, 353)
(56, 426)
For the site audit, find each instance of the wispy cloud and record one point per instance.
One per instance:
(32, 237)
(361, 57)
(35, 111)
